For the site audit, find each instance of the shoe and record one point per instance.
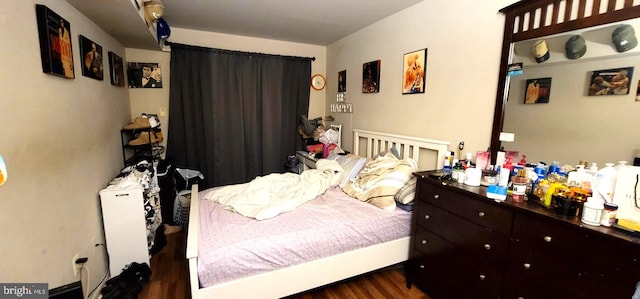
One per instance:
(138, 123)
(145, 138)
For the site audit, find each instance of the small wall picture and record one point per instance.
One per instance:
(413, 79)
(144, 75)
(54, 34)
(371, 77)
(342, 81)
(116, 69)
(610, 82)
(537, 91)
(91, 54)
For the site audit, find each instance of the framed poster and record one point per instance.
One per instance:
(92, 59)
(371, 77)
(413, 78)
(610, 82)
(144, 75)
(116, 69)
(537, 91)
(54, 33)
(342, 81)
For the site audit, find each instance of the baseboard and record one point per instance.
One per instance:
(69, 291)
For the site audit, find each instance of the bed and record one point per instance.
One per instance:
(325, 270)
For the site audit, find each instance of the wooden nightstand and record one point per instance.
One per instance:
(306, 161)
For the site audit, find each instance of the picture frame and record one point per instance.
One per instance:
(116, 69)
(537, 91)
(91, 54)
(610, 82)
(371, 77)
(342, 81)
(56, 49)
(144, 75)
(414, 74)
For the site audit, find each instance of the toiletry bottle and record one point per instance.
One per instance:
(447, 166)
(519, 186)
(523, 161)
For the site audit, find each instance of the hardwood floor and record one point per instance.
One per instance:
(170, 279)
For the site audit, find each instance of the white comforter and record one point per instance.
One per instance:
(267, 196)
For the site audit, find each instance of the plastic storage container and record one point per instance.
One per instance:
(592, 211)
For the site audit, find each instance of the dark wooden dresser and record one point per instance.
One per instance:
(465, 245)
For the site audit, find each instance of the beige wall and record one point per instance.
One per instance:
(61, 143)
(463, 39)
(151, 100)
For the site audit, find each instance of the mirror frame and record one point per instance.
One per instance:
(528, 19)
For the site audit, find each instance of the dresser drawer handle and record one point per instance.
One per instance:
(436, 196)
(487, 246)
(421, 266)
(547, 239)
(520, 297)
(424, 241)
(527, 265)
(482, 277)
(427, 217)
(481, 214)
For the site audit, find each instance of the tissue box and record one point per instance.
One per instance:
(497, 192)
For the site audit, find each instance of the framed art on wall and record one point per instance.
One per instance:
(91, 54)
(144, 75)
(116, 69)
(54, 33)
(371, 77)
(610, 82)
(342, 81)
(537, 91)
(413, 78)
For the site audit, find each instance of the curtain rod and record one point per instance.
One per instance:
(168, 43)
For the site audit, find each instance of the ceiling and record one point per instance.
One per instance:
(319, 22)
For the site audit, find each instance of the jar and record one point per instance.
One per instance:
(592, 211)
(609, 214)
(489, 177)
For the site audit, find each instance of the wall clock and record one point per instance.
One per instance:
(318, 82)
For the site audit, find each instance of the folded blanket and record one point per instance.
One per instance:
(267, 196)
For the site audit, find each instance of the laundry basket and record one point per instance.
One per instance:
(181, 206)
(185, 178)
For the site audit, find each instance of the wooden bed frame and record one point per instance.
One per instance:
(306, 276)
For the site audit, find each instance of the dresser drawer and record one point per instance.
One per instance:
(476, 240)
(566, 239)
(444, 271)
(483, 213)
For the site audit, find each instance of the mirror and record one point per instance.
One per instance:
(567, 124)
(570, 122)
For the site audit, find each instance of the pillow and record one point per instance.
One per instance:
(352, 164)
(393, 150)
(380, 180)
(407, 193)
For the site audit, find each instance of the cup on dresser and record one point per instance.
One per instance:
(472, 176)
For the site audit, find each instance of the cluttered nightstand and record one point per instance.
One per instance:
(307, 160)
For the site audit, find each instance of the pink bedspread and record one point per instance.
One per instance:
(232, 246)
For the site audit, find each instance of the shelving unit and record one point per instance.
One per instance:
(133, 153)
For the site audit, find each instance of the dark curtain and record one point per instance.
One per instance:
(234, 115)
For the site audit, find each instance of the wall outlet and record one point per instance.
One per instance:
(75, 266)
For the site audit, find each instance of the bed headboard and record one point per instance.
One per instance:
(407, 146)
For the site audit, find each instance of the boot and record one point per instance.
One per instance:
(138, 123)
(143, 138)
